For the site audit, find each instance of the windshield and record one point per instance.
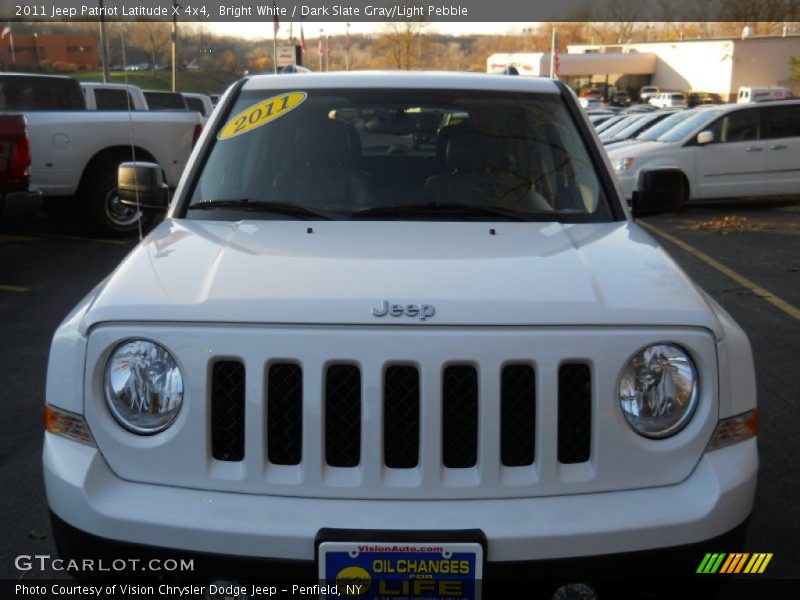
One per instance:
(623, 124)
(632, 128)
(398, 154)
(656, 131)
(610, 123)
(680, 131)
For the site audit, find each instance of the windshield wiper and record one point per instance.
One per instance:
(451, 208)
(278, 208)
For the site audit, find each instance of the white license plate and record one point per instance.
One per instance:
(382, 570)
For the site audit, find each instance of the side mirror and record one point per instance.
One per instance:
(658, 191)
(141, 185)
(705, 137)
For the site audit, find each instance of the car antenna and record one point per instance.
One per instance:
(130, 132)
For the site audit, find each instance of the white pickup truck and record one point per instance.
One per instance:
(113, 96)
(368, 357)
(75, 152)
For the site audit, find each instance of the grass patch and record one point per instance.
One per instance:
(732, 224)
(207, 82)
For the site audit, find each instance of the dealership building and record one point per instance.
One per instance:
(25, 51)
(719, 66)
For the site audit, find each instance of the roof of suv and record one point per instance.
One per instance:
(402, 79)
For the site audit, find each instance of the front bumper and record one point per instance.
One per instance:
(84, 493)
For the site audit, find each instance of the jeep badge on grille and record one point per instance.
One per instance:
(420, 311)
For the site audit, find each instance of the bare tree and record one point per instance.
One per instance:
(152, 36)
(404, 43)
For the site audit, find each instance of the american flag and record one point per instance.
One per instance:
(321, 46)
(276, 22)
(5, 32)
(302, 39)
(347, 37)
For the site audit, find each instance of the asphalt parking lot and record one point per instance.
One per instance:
(750, 265)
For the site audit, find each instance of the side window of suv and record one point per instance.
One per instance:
(738, 126)
(783, 121)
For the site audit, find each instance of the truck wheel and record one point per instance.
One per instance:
(104, 211)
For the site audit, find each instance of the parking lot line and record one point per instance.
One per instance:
(13, 288)
(776, 301)
(16, 238)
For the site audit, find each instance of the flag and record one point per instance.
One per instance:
(321, 47)
(302, 39)
(276, 22)
(556, 63)
(347, 38)
(5, 32)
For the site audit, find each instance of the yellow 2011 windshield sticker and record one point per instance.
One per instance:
(260, 114)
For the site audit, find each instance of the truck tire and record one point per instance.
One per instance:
(103, 210)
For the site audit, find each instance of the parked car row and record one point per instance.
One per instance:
(120, 96)
(722, 151)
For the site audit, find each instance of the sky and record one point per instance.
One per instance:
(252, 30)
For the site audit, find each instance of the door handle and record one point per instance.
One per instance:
(753, 149)
(778, 147)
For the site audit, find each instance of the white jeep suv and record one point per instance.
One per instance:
(372, 347)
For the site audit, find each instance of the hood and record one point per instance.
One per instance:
(524, 274)
(632, 148)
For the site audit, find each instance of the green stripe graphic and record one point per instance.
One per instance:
(711, 562)
(717, 564)
(701, 568)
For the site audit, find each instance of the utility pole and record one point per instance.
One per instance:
(104, 43)
(174, 41)
(347, 47)
(321, 50)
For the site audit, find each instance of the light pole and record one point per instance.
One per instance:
(321, 49)
(347, 47)
(103, 42)
(174, 42)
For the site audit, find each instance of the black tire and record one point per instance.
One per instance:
(103, 211)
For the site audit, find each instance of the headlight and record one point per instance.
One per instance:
(623, 164)
(658, 392)
(144, 387)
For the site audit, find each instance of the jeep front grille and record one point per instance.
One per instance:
(227, 411)
(396, 412)
(401, 415)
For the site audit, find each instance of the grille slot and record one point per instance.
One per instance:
(343, 416)
(460, 417)
(285, 414)
(518, 416)
(227, 411)
(401, 417)
(574, 413)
